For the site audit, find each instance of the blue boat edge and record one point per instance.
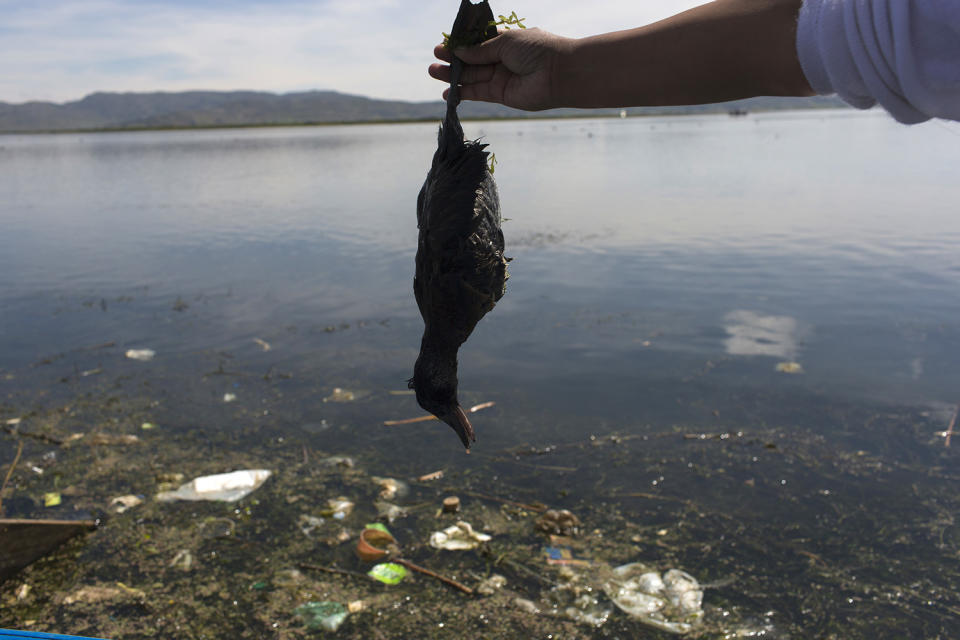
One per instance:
(39, 635)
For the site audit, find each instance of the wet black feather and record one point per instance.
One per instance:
(461, 271)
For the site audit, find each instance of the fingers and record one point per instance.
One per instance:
(439, 71)
(441, 52)
(484, 53)
(470, 75)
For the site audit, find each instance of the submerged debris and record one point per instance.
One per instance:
(322, 616)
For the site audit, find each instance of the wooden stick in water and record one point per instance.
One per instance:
(13, 465)
(428, 417)
(432, 574)
(949, 432)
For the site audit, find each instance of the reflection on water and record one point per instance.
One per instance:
(753, 334)
(660, 266)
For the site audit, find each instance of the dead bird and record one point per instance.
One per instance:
(461, 272)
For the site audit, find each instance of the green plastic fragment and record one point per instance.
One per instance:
(51, 499)
(378, 526)
(325, 615)
(388, 572)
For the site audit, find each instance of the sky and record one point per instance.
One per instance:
(62, 50)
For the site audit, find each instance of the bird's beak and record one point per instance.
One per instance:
(457, 419)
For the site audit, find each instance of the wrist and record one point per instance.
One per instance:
(570, 73)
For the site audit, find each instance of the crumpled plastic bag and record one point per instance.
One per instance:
(673, 602)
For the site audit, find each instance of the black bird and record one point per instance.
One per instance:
(461, 272)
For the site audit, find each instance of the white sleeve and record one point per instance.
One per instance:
(904, 54)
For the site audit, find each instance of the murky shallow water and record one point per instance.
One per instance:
(662, 269)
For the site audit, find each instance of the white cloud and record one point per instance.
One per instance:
(61, 50)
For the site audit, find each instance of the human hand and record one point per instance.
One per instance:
(518, 68)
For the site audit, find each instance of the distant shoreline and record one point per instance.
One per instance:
(587, 115)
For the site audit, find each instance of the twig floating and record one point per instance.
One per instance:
(13, 465)
(432, 574)
(428, 417)
(949, 432)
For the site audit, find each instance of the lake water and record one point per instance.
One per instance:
(662, 269)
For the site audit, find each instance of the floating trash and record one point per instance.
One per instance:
(183, 560)
(147, 426)
(789, 367)
(459, 537)
(561, 523)
(263, 344)
(106, 439)
(143, 355)
(587, 609)
(491, 585)
(229, 397)
(336, 461)
(378, 526)
(340, 507)
(427, 477)
(564, 555)
(52, 499)
(95, 594)
(389, 511)
(388, 573)
(391, 488)
(341, 395)
(451, 504)
(224, 487)
(122, 503)
(671, 603)
(326, 616)
(307, 523)
(375, 543)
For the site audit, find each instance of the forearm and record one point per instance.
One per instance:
(724, 50)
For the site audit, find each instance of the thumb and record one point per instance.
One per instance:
(484, 53)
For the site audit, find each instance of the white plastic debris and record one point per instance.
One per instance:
(229, 397)
(336, 461)
(458, 537)
(223, 487)
(672, 603)
(122, 503)
(143, 355)
(340, 507)
(391, 488)
(389, 511)
(587, 609)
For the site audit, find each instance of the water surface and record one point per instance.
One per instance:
(663, 268)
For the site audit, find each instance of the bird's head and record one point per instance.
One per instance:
(435, 382)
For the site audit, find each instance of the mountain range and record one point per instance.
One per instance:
(186, 109)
